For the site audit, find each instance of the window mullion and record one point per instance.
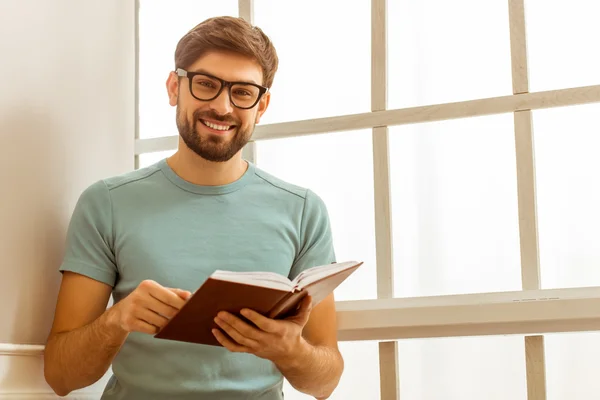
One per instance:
(528, 227)
(388, 351)
(246, 11)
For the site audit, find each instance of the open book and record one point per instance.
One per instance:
(267, 293)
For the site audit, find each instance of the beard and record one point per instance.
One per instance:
(212, 147)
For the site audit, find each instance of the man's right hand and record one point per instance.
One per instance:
(147, 308)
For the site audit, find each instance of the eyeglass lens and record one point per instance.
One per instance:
(242, 95)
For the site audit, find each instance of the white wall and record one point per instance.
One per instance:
(67, 115)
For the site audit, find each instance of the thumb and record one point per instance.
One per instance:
(184, 294)
(303, 311)
(306, 305)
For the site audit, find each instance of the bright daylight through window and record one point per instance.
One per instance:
(455, 214)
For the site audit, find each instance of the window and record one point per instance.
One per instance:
(568, 191)
(567, 56)
(444, 51)
(463, 368)
(304, 86)
(454, 208)
(572, 360)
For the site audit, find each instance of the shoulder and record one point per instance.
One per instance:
(104, 186)
(98, 195)
(281, 186)
(129, 178)
(312, 203)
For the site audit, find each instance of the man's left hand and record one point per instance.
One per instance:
(276, 340)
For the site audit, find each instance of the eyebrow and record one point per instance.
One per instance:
(203, 71)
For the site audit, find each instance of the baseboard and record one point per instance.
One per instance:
(49, 396)
(22, 376)
(11, 349)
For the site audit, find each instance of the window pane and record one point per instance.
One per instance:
(360, 379)
(474, 368)
(161, 25)
(572, 365)
(443, 51)
(563, 43)
(454, 198)
(338, 168)
(148, 159)
(568, 194)
(325, 60)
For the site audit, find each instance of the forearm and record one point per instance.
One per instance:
(315, 370)
(79, 358)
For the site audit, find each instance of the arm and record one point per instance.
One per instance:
(82, 342)
(83, 329)
(317, 365)
(85, 337)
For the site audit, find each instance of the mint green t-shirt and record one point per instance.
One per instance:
(152, 224)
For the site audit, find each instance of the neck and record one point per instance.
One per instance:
(195, 169)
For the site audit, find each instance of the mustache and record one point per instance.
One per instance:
(229, 119)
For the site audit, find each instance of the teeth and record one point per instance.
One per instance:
(215, 126)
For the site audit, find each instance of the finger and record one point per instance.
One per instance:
(151, 318)
(305, 305)
(242, 327)
(228, 344)
(303, 312)
(262, 322)
(159, 307)
(184, 294)
(163, 294)
(144, 327)
(236, 335)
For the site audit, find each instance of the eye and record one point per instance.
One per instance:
(205, 83)
(242, 92)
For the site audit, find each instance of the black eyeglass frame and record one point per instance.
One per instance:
(190, 75)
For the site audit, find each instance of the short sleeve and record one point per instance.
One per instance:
(316, 239)
(89, 242)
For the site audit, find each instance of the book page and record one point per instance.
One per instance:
(314, 274)
(256, 278)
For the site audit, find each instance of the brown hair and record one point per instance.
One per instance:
(228, 34)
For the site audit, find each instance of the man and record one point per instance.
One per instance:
(152, 236)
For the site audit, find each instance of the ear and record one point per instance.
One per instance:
(173, 88)
(263, 104)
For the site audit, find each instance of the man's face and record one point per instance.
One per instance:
(216, 130)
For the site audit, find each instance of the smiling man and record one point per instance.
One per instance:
(152, 236)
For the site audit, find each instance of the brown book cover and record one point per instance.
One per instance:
(272, 298)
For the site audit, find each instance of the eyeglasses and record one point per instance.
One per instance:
(205, 87)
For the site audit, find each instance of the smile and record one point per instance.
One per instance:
(215, 126)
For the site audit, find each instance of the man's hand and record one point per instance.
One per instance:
(147, 308)
(276, 340)
(304, 349)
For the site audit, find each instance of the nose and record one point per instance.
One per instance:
(222, 104)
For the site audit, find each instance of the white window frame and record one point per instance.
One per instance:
(531, 311)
